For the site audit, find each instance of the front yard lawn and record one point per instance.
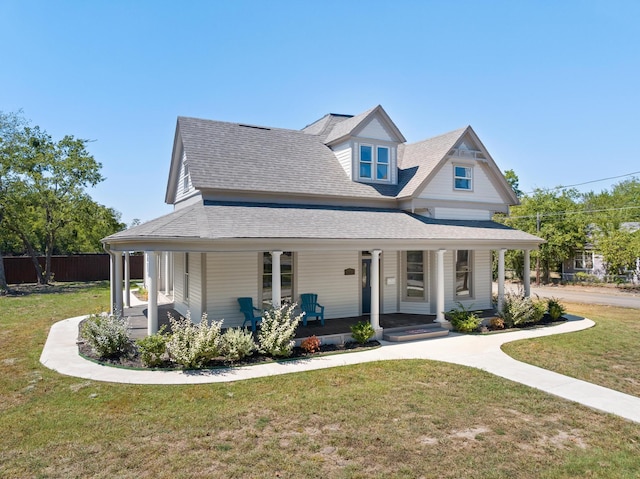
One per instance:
(395, 419)
(607, 354)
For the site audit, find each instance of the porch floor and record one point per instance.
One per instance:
(138, 321)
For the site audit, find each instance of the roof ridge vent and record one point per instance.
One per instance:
(254, 126)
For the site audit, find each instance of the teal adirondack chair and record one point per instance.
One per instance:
(248, 309)
(309, 305)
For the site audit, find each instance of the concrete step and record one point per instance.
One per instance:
(413, 333)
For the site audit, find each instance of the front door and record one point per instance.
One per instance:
(366, 285)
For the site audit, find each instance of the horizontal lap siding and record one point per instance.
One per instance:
(323, 274)
(376, 131)
(343, 154)
(230, 276)
(195, 286)
(481, 285)
(178, 283)
(441, 186)
(461, 214)
(390, 291)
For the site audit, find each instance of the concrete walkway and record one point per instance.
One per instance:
(60, 353)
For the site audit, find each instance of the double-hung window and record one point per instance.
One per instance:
(463, 178)
(374, 162)
(583, 260)
(464, 273)
(414, 284)
(286, 278)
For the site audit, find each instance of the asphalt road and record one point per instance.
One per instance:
(584, 294)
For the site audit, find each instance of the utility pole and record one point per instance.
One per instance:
(538, 255)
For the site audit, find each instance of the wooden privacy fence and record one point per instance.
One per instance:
(81, 267)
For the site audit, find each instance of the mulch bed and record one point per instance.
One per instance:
(132, 359)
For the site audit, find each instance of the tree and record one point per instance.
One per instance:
(558, 218)
(514, 181)
(43, 193)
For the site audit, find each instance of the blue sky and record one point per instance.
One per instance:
(551, 87)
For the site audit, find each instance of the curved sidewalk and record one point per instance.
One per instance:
(60, 353)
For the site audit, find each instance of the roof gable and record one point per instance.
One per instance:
(354, 126)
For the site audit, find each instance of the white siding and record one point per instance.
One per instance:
(441, 185)
(481, 282)
(344, 156)
(230, 276)
(389, 295)
(323, 274)
(196, 285)
(178, 283)
(181, 191)
(419, 307)
(461, 214)
(374, 129)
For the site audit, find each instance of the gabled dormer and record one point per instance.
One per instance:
(366, 146)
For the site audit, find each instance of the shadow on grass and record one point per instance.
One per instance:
(53, 288)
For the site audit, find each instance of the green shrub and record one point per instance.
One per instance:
(277, 330)
(362, 332)
(310, 345)
(519, 311)
(463, 320)
(193, 345)
(236, 343)
(153, 347)
(555, 308)
(106, 334)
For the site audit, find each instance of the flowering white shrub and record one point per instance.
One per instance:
(106, 334)
(277, 330)
(237, 343)
(193, 345)
(518, 310)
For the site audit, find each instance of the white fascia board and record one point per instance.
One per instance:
(285, 244)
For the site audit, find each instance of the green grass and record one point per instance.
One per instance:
(607, 354)
(397, 419)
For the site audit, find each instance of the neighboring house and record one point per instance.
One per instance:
(343, 208)
(587, 262)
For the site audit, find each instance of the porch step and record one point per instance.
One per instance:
(412, 333)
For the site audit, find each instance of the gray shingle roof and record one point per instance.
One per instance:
(219, 221)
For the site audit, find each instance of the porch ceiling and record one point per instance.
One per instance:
(257, 227)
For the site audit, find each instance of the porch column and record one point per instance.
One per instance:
(152, 288)
(276, 286)
(500, 278)
(526, 279)
(145, 272)
(117, 301)
(440, 286)
(112, 282)
(166, 273)
(127, 279)
(375, 289)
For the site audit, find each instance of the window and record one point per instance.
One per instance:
(375, 162)
(462, 178)
(414, 284)
(583, 260)
(286, 278)
(464, 273)
(186, 277)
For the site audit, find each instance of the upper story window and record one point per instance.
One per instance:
(374, 162)
(463, 177)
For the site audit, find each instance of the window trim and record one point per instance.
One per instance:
(471, 276)
(375, 147)
(261, 257)
(469, 178)
(583, 256)
(425, 278)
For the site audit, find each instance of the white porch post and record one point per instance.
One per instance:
(127, 279)
(500, 278)
(375, 289)
(152, 305)
(145, 273)
(526, 279)
(166, 273)
(112, 282)
(440, 286)
(117, 301)
(276, 286)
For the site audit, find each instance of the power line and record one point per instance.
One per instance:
(586, 182)
(561, 213)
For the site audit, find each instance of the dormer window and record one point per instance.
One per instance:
(463, 178)
(374, 163)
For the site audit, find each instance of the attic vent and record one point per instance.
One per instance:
(255, 127)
